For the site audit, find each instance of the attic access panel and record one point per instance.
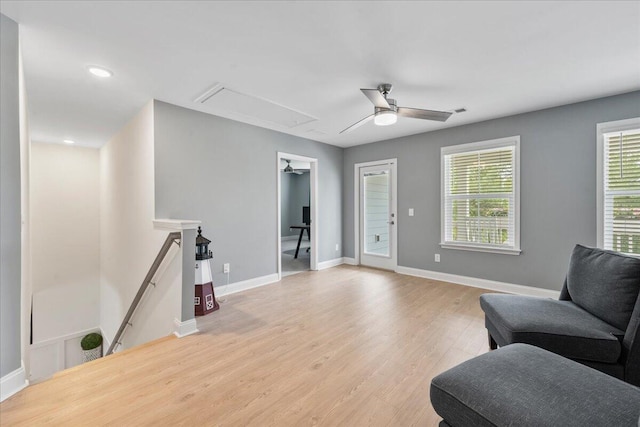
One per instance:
(226, 99)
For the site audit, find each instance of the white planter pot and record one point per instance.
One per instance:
(89, 355)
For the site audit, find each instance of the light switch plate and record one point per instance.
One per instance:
(410, 211)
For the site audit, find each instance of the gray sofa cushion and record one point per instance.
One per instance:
(521, 385)
(604, 283)
(558, 326)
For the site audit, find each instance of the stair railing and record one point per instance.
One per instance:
(171, 238)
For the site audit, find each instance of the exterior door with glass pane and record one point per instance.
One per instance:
(378, 220)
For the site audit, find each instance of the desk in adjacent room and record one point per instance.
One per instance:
(301, 228)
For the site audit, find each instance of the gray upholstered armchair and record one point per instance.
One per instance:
(595, 322)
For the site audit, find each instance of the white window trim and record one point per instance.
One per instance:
(483, 145)
(601, 130)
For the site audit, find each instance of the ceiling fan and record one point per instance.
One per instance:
(290, 169)
(386, 110)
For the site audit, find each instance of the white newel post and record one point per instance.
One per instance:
(186, 325)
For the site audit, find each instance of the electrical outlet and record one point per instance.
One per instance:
(410, 211)
(437, 258)
(226, 268)
(337, 246)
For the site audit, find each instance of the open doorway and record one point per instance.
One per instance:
(297, 207)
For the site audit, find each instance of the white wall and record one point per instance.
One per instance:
(65, 231)
(25, 167)
(128, 242)
(65, 255)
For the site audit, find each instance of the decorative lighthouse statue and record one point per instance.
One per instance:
(205, 300)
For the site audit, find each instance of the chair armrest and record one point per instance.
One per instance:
(564, 293)
(631, 347)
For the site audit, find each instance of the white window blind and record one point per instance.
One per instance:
(621, 191)
(480, 196)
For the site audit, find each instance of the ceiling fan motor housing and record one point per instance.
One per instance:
(385, 88)
(393, 106)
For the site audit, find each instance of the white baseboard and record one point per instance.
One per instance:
(480, 283)
(67, 337)
(330, 263)
(55, 354)
(185, 328)
(106, 342)
(256, 282)
(12, 383)
(349, 261)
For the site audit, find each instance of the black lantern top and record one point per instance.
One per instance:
(202, 246)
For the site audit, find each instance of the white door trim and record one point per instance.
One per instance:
(313, 211)
(356, 206)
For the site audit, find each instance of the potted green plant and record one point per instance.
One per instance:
(91, 346)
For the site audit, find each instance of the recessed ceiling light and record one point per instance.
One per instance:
(99, 71)
(69, 141)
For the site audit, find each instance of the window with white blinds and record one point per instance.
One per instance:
(619, 185)
(480, 196)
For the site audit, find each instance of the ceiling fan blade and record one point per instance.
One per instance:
(416, 113)
(358, 124)
(376, 97)
(288, 168)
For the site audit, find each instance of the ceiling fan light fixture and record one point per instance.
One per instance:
(385, 118)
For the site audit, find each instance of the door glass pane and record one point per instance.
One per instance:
(376, 213)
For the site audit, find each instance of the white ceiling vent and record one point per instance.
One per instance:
(251, 107)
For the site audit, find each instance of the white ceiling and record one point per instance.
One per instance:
(494, 58)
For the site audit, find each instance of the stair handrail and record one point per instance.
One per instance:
(173, 237)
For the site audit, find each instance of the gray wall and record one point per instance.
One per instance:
(224, 173)
(10, 286)
(294, 194)
(558, 191)
(285, 188)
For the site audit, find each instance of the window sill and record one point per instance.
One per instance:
(490, 249)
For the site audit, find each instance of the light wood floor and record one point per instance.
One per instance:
(347, 346)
